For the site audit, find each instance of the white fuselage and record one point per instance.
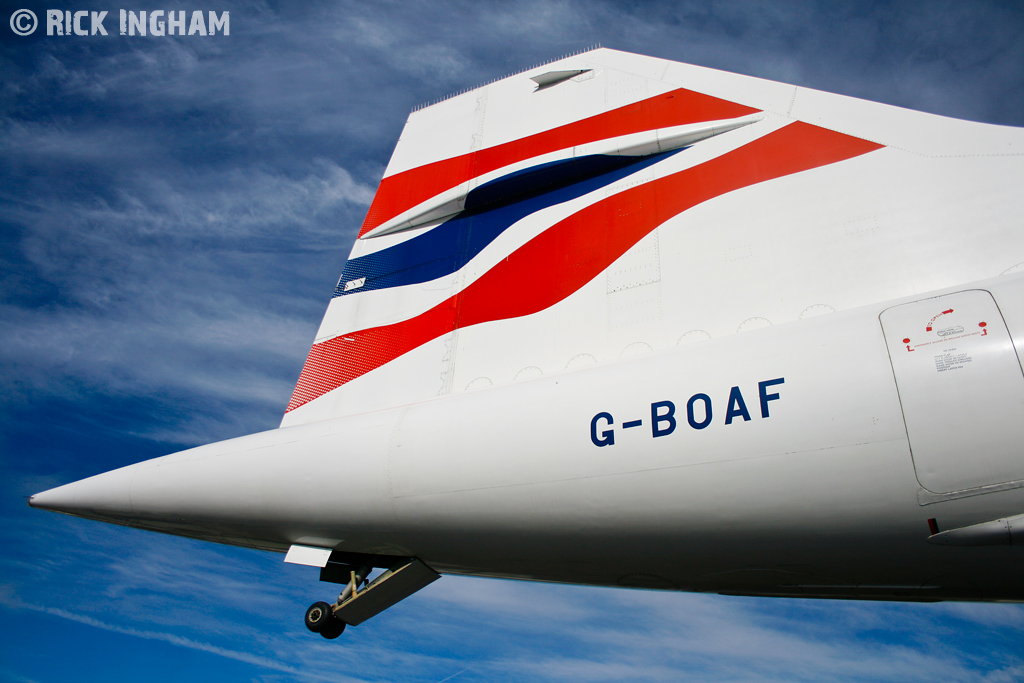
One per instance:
(534, 481)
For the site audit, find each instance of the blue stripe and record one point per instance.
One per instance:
(491, 209)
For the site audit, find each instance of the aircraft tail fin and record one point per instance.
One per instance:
(524, 228)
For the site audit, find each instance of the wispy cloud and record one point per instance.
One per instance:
(170, 286)
(653, 636)
(204, 597)
(268, 663)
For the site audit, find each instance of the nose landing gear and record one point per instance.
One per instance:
(359, 601)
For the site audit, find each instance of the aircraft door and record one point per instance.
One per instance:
(961, 388)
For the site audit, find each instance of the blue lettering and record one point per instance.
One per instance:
(657, 418)
(607, 437)
(762, 388)
(707, 411)
(737, 408)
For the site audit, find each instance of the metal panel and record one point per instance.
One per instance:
(392, 586)
(308, 555)
(961, 389)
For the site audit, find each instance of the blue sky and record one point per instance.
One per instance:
(174, 215)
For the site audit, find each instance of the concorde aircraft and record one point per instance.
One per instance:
(621, 321)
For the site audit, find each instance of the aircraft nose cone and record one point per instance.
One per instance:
(106, 496)
(53, 499)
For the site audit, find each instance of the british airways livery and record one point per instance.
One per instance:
(622, 321)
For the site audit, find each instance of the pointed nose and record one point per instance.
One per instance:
(106, 496)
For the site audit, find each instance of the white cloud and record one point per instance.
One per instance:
(268, 663)
(156, 293)
(214, 598)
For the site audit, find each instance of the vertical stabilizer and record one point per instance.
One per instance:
(601, 206)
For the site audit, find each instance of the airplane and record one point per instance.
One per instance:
(622, 321)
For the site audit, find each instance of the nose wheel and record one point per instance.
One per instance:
(320, 619)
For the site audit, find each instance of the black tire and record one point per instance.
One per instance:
(334, 629)
(318, 616)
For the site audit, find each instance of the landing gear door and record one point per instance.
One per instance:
(961, 388)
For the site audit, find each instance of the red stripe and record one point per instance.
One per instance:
(405, 190)
(559, 261)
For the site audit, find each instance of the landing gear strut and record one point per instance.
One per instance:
(321, 617)
(359, 601)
